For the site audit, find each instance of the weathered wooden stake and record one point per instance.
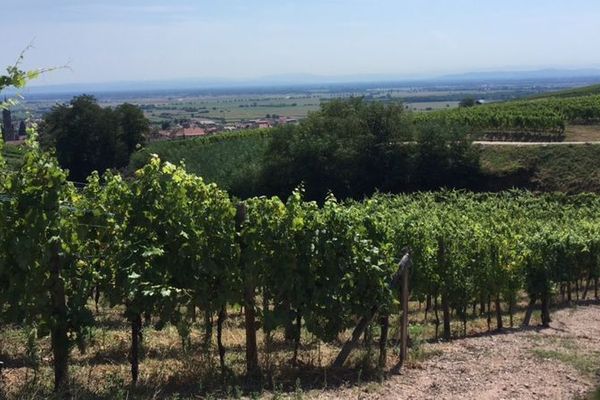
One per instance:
(384, 322)
(220, 320)
(405, 265)
(499, 325)
(356, 333)
(546, 310)
(404, 326)
(252, 368)
(529, 311)
(364, 322)
(134, 352)
(587, 286)
(58, 333)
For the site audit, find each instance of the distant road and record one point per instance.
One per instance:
(498, 143)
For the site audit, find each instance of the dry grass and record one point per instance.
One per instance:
(582, 133)
(169, 372)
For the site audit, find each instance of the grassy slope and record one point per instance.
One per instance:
(232, 160)
(569, 169)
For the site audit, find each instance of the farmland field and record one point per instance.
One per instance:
(232, 109)
(235, 163)
(230, 106)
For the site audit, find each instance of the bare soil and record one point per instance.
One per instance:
(582, 133)
(561, 362)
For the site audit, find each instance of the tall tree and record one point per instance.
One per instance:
(135, 126)
(342, 148)
(88, 137)
(444, 157)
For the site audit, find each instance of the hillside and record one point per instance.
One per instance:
(530, 120)
(569, 169)
(232, 160)
(576, 92)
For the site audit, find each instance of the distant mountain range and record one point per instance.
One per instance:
(308, 80)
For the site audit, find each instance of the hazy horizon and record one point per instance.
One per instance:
(110, 41)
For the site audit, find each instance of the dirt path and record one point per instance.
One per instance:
(561, 362)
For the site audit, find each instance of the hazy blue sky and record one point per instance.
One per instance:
(114, 40)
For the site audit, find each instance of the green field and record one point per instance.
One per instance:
(231, 109)
(236, 109)
(232, 160)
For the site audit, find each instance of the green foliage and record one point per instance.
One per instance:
(521, 120)
(342, 149)
(231, 160)
(166, 241)
(88, 137)
(16, 77)
(44, 278)
(12, 155)
(467, 102)
(444, 157)
(354, 148)
(134, 125)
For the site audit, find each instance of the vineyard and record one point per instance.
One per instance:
(165, 246)
(522, 120)
(576, 92)
(232, 160)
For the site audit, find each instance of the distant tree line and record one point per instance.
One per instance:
(88, 137)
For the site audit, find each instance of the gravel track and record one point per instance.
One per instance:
(561, 362)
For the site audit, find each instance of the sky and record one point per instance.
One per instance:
(139, 40)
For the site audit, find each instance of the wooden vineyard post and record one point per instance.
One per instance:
(350, 344)
(405, 265)
(136, 328)
(252, 368)
(384, 322)
(58, 335)
(404, 325)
